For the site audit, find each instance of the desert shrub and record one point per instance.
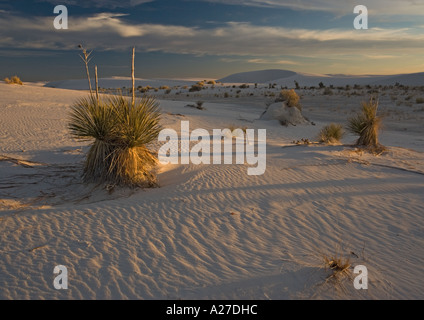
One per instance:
(163, 87)
(291, 98)
(328, 91)
(199, 105)
(13, 80)
(419, 100)
(226, 95)
(244, 86)
(196, 87)
(331, 133)
(338, 265)
(120, 132)
(321, 85)
(366, 124)
(144, 89)
(212, 82)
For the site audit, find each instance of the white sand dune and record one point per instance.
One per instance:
(210, 231)
(287, 78)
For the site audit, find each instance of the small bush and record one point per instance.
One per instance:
(331, 133)
(13, 80)
(291, 98)
(366, 124)
(199, 105)
(328, 92)
(196, 87)
(144, 89)
(419, 100)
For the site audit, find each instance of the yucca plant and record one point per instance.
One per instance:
(118, 154)
(366, 124)
(120, 128)
(138, 125)
(331, 133)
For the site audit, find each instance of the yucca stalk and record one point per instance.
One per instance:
(366, 124)
(85, 57)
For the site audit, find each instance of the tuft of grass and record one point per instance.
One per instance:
(291, 97)
(331, 133)
(120, 132)
(338, 265)
(366, 124)
(13, 80)
(419, 100)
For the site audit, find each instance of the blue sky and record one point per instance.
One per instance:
(210, 38)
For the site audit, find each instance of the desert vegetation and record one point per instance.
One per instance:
(366, 124)
(291, 97)
(331, 133)
(120, 128)
(13, 80)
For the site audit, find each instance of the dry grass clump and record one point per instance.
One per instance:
(196, 87)
(419, 100)
(367, 124)
(13, 80)
(331, 133)
(338, 265)
(291, 97)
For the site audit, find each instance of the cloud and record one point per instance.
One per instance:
(110, 4)
(271, 61)
(377, 7)
(110, 31)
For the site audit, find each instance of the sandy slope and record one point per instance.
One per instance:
(210, 231)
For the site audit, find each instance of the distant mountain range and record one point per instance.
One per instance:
(287, 78)
(277, 76)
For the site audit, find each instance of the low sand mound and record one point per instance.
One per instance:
(286, 115)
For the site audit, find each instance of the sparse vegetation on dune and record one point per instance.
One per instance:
(291, 97)
(331, 133)
(13, 80)
(338, 265)
(120, 128)
(366, 124)
(120, 132)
